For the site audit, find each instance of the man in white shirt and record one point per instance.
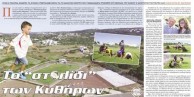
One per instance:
(170, 28)
(21, 44)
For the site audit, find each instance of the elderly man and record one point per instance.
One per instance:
(170, 28)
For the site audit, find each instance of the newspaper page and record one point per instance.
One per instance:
(98, 48)
(168, 49)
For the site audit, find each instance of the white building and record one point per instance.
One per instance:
(62, 61)
(36, 39)
(114, 78)
(49, 42)
(3, 45)
(71, 34)
(84, 49)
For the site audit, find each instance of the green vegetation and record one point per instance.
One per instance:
(105, 58)
(186, 64)
(69, 42)
(171, 49)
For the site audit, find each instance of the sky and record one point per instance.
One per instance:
(116, 38)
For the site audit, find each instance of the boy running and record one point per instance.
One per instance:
(21, 44)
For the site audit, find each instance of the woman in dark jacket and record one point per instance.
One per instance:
(184, 26)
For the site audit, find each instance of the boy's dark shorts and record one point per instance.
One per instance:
(23, 61)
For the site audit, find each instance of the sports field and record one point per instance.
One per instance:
(171, 49)
(46, 54)
(135, 51)
(186, 64)
(60, 68)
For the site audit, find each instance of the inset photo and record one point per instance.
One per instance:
(176, 24)
(116, 48)
(177, 46)
(177, 61)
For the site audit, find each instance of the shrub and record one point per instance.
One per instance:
(167, 47)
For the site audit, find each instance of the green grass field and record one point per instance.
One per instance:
(185, 65)
(7, 60)
(61, 68)
(105, 58)
(36, 58)
(173, 50)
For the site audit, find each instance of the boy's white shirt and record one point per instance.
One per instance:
(128, 53)
(25, 43)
